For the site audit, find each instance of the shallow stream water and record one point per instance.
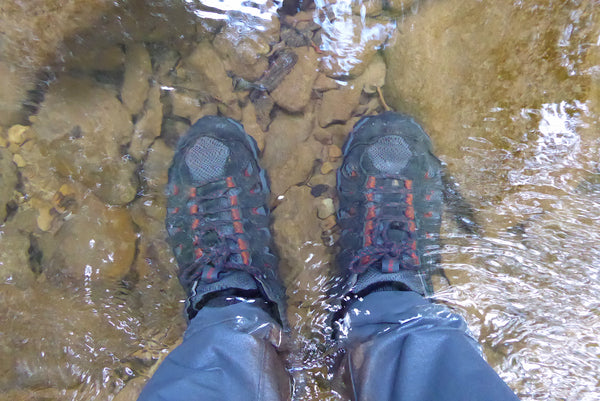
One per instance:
(95, 95)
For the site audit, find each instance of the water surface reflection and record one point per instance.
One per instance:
(508, 90)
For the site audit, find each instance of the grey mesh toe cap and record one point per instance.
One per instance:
(390, 154)
(206, 159)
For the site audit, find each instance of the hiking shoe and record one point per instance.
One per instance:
(390, 194)
(218, 218)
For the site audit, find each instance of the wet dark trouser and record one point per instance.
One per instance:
(399, 347)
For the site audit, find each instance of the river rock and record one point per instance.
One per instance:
(337, 105)
(294, 92)
(204, 71)
(251, 125)
(148, 127)
(156, 166)
(325, 208)
(14, 263)
(14, 82)
(304, 259)
(401, 6)
(243, 47)
(82, 128)
(345, 57)
(17, 134)
(184, 104)
(459, 71)
(96, 243)
(374, 75)
(109, 58)
(285, 133)
(138, 69)
(8, 180)
(324, 83)
(295, 168)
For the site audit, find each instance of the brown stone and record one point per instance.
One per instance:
(374, 75)
(8, 180)
(14, 264)
(324, 83)
(251, 126)
(101, 244)
(294, 92)
(204, 71)
(184, 104)
(81, 128)
(148, 127)
(14, 82)
(137, 72)
(334, 152)
(107, 58)
(156, 166)
(337, 105)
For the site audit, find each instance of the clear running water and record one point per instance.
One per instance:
(508, 90)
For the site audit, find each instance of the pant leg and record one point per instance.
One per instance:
(400, 346)
(228, 353)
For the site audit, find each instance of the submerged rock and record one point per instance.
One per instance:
(148, 127)
(97, 243)
(14, 82)
(305, 260)
(347, 55)
(204, 71)
(156, 166)
(337, 105)
(137, 73)
(289, 156)
(82, 128)
(8, 180)
(294, 92)
(14, 263)
(249, 121)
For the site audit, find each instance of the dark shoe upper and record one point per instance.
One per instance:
(390, 193)
(218, 217)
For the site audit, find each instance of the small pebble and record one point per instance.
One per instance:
(44, 219)
(17, 134)
(325, 208)
(3, 142)
(334, 152)
(328, 223)
(319, 190)
(326, 168)
(19, 161)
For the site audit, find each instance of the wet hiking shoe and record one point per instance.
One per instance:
(218, 218)
(390, 193)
